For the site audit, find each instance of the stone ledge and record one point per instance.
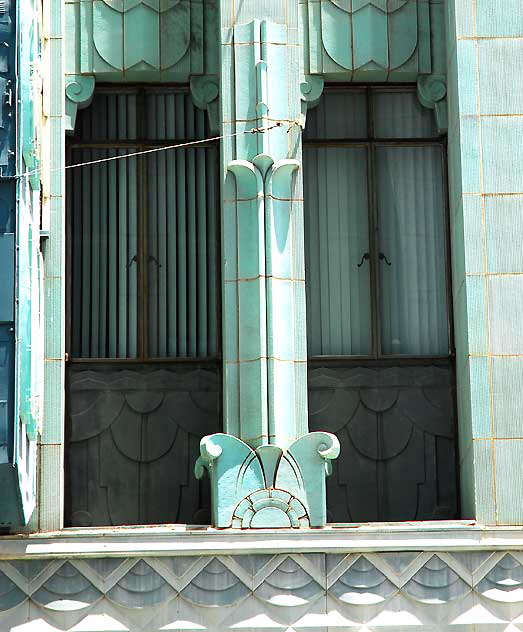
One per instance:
(179, 540)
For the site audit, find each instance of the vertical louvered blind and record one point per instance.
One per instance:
(104, 211)
(401, 115)
(144, 231)
(375, 223)
(411, 218)
(182, 247)
(337, 236)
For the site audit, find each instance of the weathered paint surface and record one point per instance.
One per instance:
(20, 264)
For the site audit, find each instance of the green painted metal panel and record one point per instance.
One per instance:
(133, 435)
(396, 426)
(20, 333)
(7, 276)
(7, 367)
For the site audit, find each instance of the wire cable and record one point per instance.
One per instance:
(254, 130)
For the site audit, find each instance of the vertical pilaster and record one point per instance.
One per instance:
(266, 471)
(485, 190)
(53, 186)
(264, 320)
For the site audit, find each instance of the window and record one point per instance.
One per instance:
(381, 375)
(143, 245)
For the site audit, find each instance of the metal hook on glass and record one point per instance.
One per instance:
(365, 257)
(151, 258)
(133, 260)
(382, 257)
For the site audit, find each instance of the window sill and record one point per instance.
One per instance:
(169, 540)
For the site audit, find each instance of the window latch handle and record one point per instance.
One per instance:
(365, 257)
(155, 260)
(382, 257)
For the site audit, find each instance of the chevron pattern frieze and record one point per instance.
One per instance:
(302, 592)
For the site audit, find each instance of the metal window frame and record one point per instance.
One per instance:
(141, 143)
(370, 143)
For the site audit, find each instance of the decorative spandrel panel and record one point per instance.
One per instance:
(396, 428)
(141, 40)
(368, 40)
(133, 438)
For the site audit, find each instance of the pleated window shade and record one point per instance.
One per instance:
(144, 230)
(375, 227)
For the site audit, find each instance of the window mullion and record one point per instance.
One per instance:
(142, 260)
(143, 343)
(373, 251)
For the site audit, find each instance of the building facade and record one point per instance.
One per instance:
(259, 316)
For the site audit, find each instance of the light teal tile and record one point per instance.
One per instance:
(466, 77)
(464, 407)
(452, 86)
(300, 322)
(281, 400)
(484, 482)
(54, 95)
(502, 154)
(229, 240)
(473, 234)
(458, 245)
(462, 16)
(53, 424)
(476, 314)
(498, 18)
(505, 309)
(498, 93)
(300, 398)
(504, 233)
(251, 314)
(54, 323)
(278, 239)
(280, 319)
(56, 155)
(507, 397)
(470, 154)
(509, 481)
(231, 399)
(480, 397)
(468, 500)
(253, 399)
(72, 34)
(230, 322)
(51, 481)
(109, 37)
(460, 322)
(54, 260)
(455, 170)
(251, 257)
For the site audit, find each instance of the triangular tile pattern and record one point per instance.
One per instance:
(312, 592)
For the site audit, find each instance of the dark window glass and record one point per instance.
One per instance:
(381, 376)
(144, 383)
